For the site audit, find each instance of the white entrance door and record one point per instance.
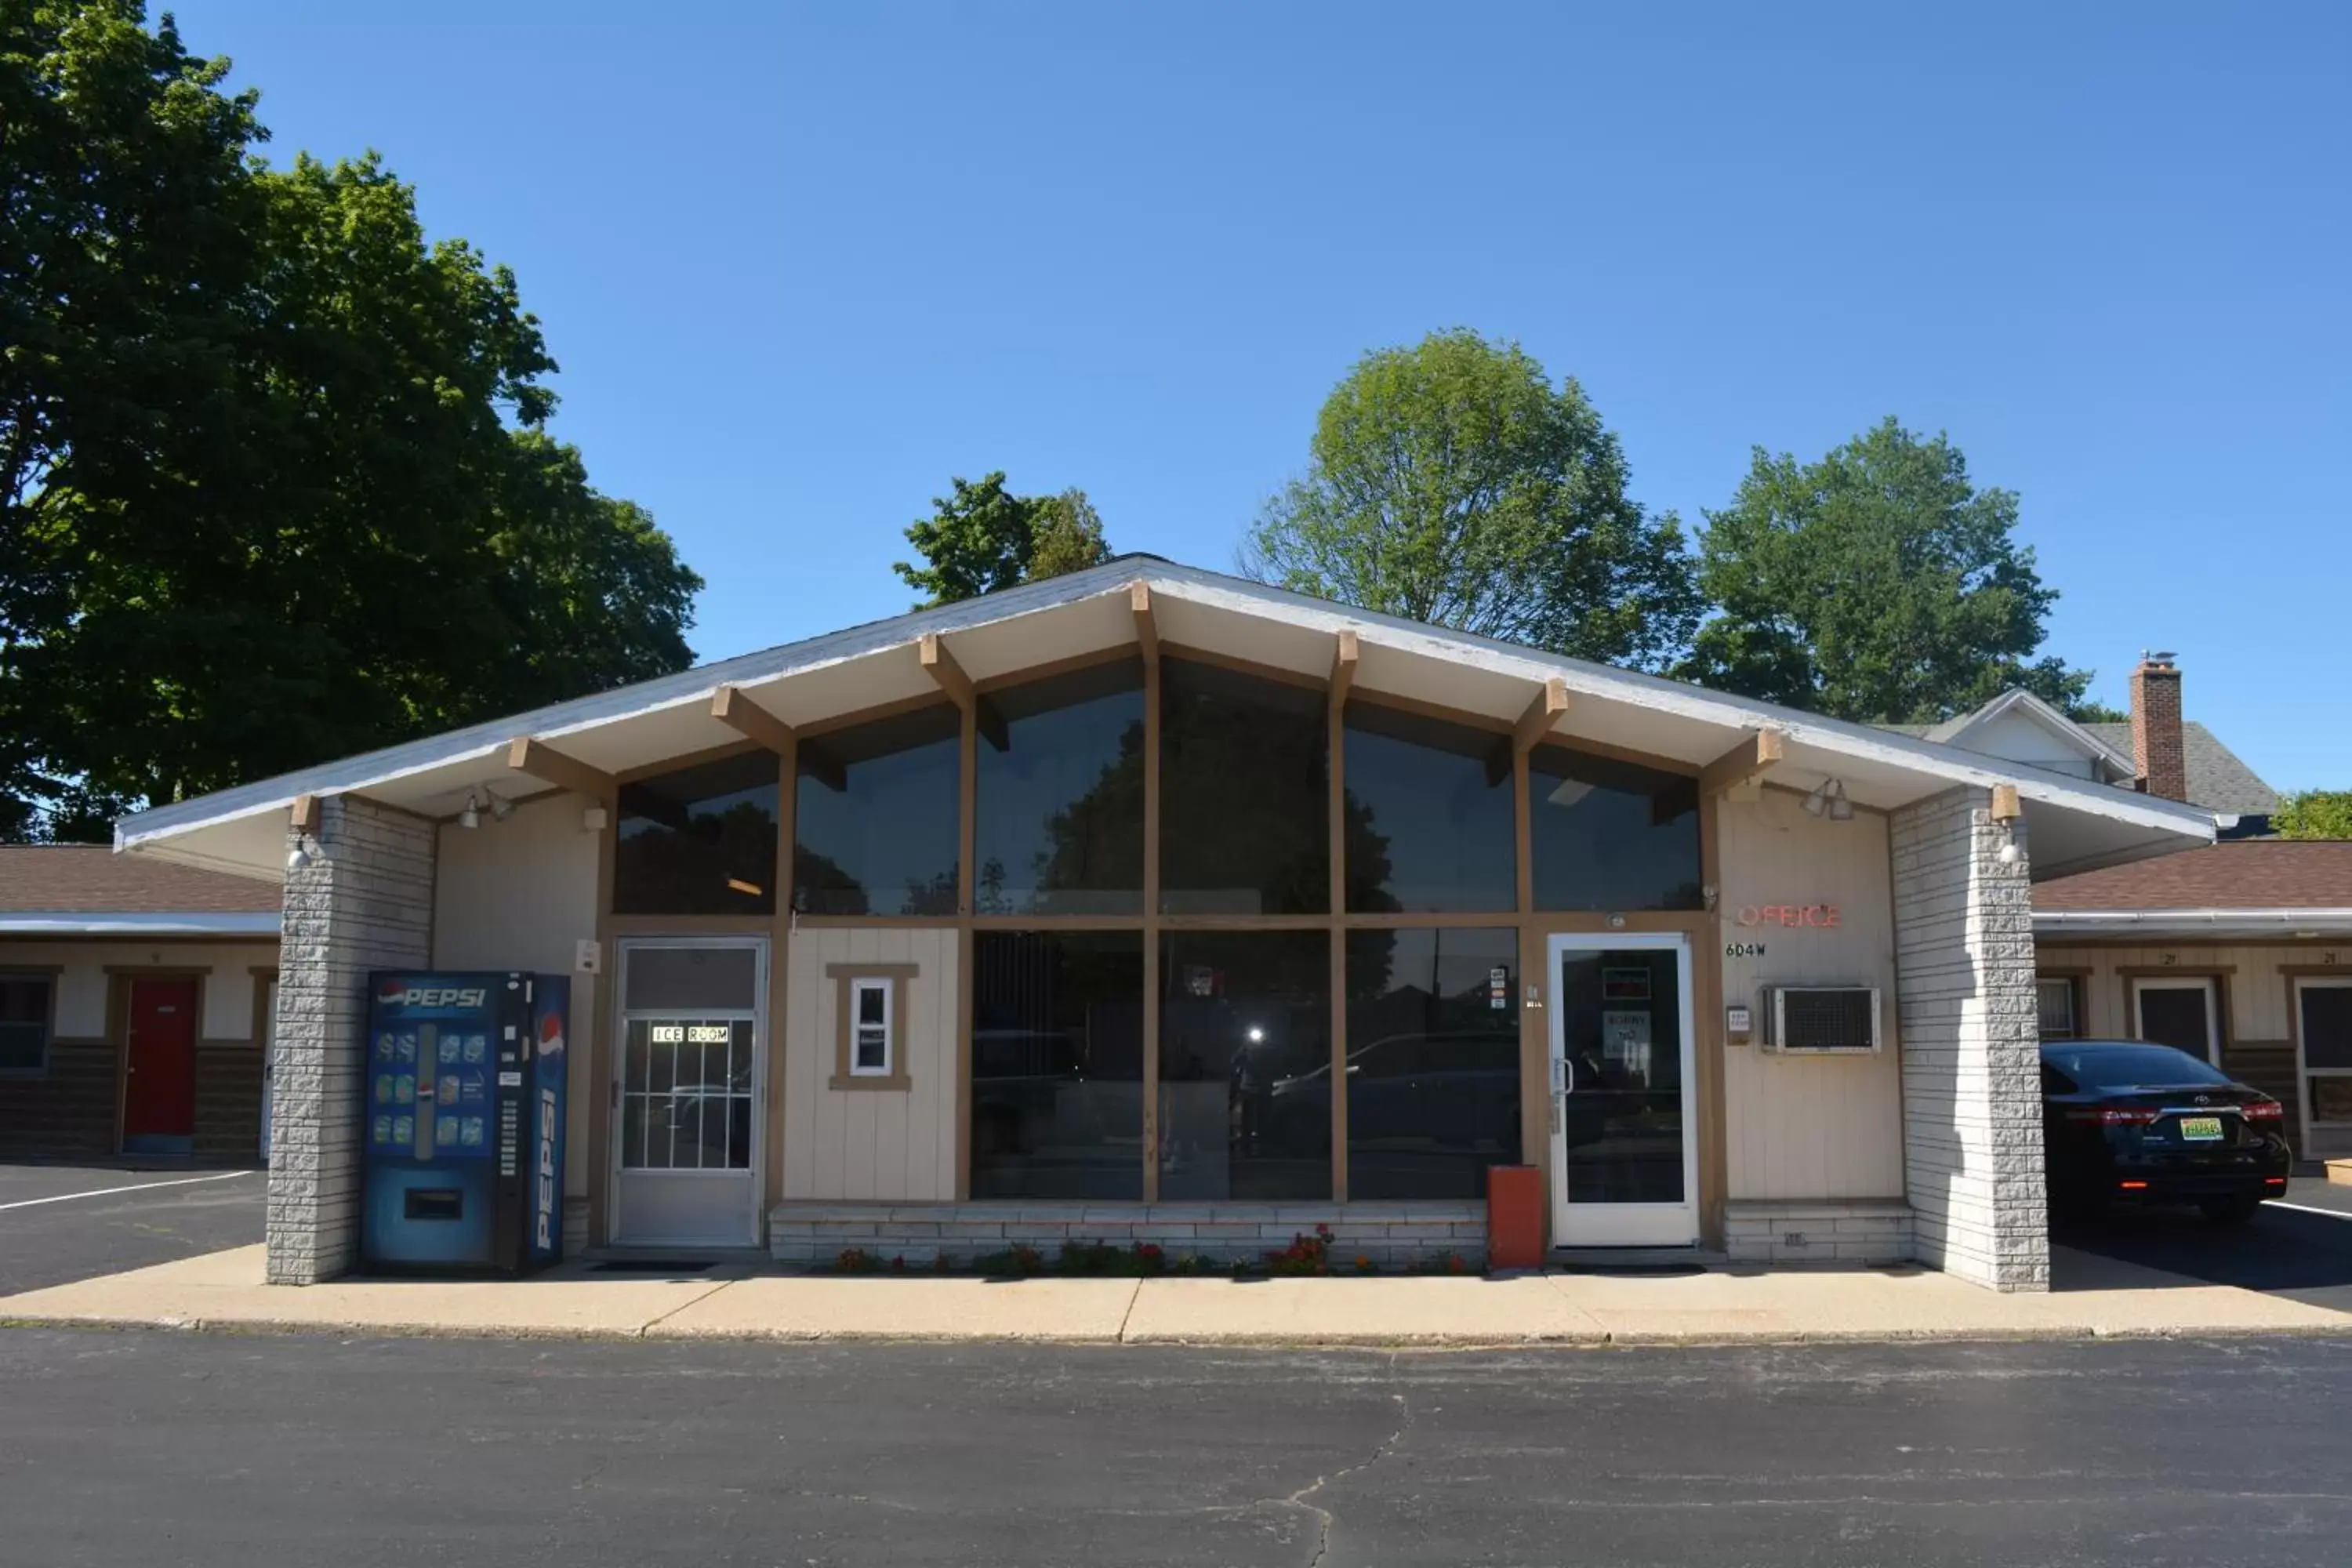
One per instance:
(689, 1082)
(2181, 1013)
(1625, 1152)
(2323, 1062)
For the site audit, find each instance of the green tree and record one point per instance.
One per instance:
(2315, 813)
(127, 230)
(982, 537)
(1069, 537)
(1450, 482)
(289, 496)
(1876, 585)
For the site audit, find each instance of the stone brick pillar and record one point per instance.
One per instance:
(364, 901)
(1971, 1058)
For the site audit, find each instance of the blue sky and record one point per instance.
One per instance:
(803, 263)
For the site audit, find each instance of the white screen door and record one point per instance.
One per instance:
(1624, 1151)
(690, 1082)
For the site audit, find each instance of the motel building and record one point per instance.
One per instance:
(1150, 904)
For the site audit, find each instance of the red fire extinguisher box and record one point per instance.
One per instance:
(1515, 1216)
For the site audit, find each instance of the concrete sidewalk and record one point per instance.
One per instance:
(223, 1290)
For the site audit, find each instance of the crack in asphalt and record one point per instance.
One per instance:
(1323, 1516)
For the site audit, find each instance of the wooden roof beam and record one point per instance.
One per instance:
(1746, 763)
(540, 761)
(733, 707)
(1147, 627)
(1541, 715)
(942, 667)
(1343, 669)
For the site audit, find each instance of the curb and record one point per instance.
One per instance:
(1603, 1340)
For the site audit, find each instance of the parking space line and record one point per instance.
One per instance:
(135, 1187)
(2306, 1208)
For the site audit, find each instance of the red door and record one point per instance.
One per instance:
(159, 1098)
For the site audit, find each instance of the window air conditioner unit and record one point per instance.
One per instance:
(1821, 1020)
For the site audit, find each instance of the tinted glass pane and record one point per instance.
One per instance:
(2175, 1016)
(2105, 1068)
(876, 808)
(873, 1003)
(1621, 1120)
(2327, 1026)
(1432, 1062)
(1061, 799)
(699, 841)
(1610, 835)
(2331, 1098)
(2055, 1002)
(1429, 815)
(1246, 1064)
(723, 978)
(24, 999)
(1057, 1064)
(1243, 794)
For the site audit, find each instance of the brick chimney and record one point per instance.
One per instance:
(2156, 727)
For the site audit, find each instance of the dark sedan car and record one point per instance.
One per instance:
(2126, 1121)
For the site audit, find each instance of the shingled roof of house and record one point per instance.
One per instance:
(91, 878)
(2239, 874)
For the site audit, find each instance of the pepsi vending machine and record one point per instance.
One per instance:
(463, 1134)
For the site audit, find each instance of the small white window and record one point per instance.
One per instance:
(869, 1035)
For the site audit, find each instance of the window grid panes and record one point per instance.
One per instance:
(876, 809)
(1429, 826)
(700, 840)
(687, 1093)
(1057, 1064)
(1059, 819)
(1244, 794)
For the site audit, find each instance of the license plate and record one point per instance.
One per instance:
(2201, 1129)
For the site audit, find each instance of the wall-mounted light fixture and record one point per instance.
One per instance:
(1829, 800)
(471, 816)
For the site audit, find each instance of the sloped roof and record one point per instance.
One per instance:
(863, 670)
(2218, 779)
(2239, 874)
(88, 887)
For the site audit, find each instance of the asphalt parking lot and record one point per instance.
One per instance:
(2304, 1243)
(59, 1223)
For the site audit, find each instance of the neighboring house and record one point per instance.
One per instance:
(2239, 951)
(136, 999)
(1152, 904)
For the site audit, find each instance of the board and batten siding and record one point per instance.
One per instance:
(1809, 1127)
(895, 1145)
(2253, 983)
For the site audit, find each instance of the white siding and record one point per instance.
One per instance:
(1800, 1127)
(893, 1145)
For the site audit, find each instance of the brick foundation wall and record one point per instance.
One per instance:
(1972, 1059)
(364, 902)
(228, 1101)
(1393, 1235)
(1829, 1231)
(68, 1110)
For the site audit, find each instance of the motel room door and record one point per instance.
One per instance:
(689, 1079)
(159, 1067)
(1624, 1156)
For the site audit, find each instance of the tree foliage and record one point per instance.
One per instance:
(1450, 482)
(2315, 813)
(275, 483)
(1875, 585)
(982, 537)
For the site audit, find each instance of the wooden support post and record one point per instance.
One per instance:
(942, 667)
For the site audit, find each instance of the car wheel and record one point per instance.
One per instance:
(2230, 1211)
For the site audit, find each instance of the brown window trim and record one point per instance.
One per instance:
(844, 977)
